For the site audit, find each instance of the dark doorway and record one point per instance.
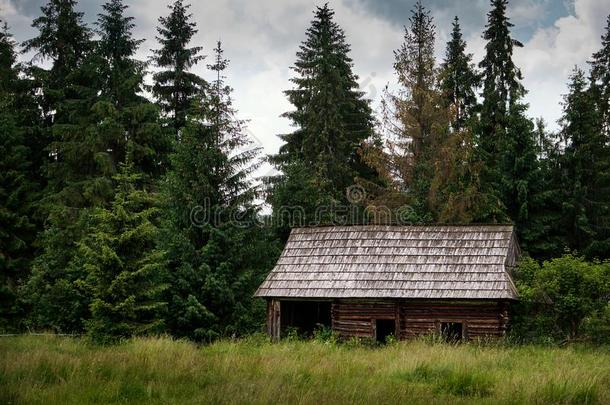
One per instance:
(452, 331)
(384, 328)
(304, 316)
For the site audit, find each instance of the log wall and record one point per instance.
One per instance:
(414, 318)
(480, 319)
(355, 319)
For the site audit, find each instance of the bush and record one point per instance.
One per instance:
(561, 300)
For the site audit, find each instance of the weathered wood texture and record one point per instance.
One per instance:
(400, 262)
(351, 319)
(479, 319)
(273, 319)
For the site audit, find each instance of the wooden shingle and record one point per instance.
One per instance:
(376, 261)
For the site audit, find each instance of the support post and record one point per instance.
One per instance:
(273, 319)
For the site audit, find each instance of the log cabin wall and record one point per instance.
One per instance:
(415, 318)
(355, 319)
(479, 319)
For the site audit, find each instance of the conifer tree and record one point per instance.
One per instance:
(459, 79)
(98, 119)
(332, 119)
(455, 190)
(547, 238)
(583, 164)
(17, 190)
(417, 119)
(505, 135)
(137, 126)
(600, 87)
(122, 267)
(77, 162)
(214, 250)
(63, 39)
(175, 87)
(600, 77)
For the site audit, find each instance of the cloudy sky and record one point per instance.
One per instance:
(261, 37)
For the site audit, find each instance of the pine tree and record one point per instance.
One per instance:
(122, 267)
(17, 190)
(505, 135)
(333, 119)
(459, 79)
(175, 87)
(214, 249)
(583, 164)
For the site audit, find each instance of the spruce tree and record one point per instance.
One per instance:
(175, 87)
(505, 135)
(548, 240)
(63, 39)
(214, 249)
(583, 166)
(332, 118)
(17, 189)
(600, 89)
(600, 77)
(100, 121)
(459, 79)
(456, 195)
(137, 124)
(123, 269)
(416, 113)
(78, 171)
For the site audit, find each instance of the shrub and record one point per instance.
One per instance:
(562, 299)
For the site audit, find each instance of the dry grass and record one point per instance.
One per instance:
(54, 370)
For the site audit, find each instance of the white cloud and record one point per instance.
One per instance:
(550, 55)
(262, 37)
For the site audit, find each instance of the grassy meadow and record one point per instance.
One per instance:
(57, 370)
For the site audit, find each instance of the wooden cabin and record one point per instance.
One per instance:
(372, 281)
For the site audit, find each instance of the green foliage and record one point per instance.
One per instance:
(76, 172)
(217, 255)
(421, 122)
(333, 121)
(600, 78)
(99, 122)
(459, 79)
(583, 172)
(326, 335)
(505, 136)
(175, 87)
(18, 189)
(124, 271)
(560, 297)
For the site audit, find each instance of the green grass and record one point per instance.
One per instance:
(58, 370)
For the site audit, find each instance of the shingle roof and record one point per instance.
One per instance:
(376, 261)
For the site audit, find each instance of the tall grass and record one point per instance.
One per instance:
(58, 370)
